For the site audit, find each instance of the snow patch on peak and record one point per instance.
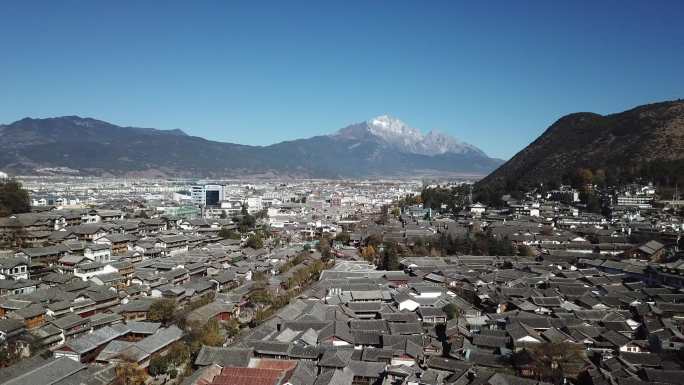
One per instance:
(389, 123)
(393, 130)
(400, 134)
(395, 133)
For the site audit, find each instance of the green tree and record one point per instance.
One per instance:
(232, 327)
(451, 311)
(13, 198)
(224, 233)
(554, 361)
(198, 334)
(178, 353)
(373, 240)
(324, 246)
(263, 214)
(246, 221)
(583, 177)
(254, 241)
(261, 297)
(227, 233)
(526, 251)
(343, 237)
(158, 365)
(259, 276)
(593, 202)
(9, 355)
(390, 256)
(129, 373)
(162, 310)
(210, 334)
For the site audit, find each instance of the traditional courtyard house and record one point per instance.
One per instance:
(367, 373)
(105, 299)
(172, 245)
(67, 263)
(10, 329)
(119, 243)
(72, 325)
(139, 330)
(176, 293)
(125, 269)
(650, 251)
(32, 316)
(405, 302)
(196, 270)
(148, 278)
(17, 286)
(58, 309)
(90, 216)
(71, 218)
(136, 310)
(97, 252)
(47, 336)
(177, 276)
(8, 305)
(36, 238)
(83, 306)
(14, 268)
(199, 289)
(110, 215)
(132, 256)
(58, 237)
(88, 232)
(41, 259)
(154, 226)
(430, 315)
(397, 279)
(217, 310)
(477, 209)
(140, 352)
(337, 334)
(86, 270)
(224, 281)
(86, 348)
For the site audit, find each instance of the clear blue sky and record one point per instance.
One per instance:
(257, 72)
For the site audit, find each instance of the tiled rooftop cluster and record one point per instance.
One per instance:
(581, 297)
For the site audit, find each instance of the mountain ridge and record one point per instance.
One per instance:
(94, 147)
(646, 141)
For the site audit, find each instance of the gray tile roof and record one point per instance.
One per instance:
(49, 373)
(160, 339)
(226, 357)
(86, 343)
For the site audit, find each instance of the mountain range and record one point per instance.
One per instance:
(644, 142)
(380, 147)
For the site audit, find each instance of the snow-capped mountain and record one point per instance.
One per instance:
(393, 132)
(379, 148)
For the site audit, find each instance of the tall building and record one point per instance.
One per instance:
(208, 195)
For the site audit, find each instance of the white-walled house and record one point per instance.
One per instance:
(98, 252)
(14, 268)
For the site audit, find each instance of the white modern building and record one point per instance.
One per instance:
(208, 195)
